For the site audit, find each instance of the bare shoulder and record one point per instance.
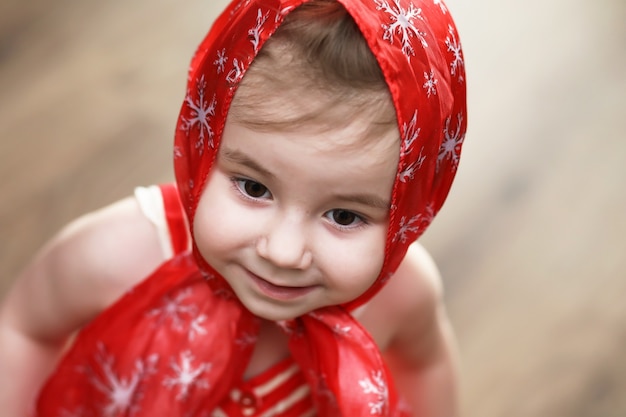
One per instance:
(411, 304)
(83, 269)
(415, 290)
(419, 273)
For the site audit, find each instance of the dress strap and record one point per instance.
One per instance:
(176, 219)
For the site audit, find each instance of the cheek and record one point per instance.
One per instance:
(355, 267)
(217, 221)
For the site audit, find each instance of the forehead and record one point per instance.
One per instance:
(347, 144)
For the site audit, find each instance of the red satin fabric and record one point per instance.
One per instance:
(174, 345)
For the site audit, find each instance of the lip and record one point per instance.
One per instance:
(279, 292)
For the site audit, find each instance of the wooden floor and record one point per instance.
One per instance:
(532, 242)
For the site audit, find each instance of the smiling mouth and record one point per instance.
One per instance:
(279, 292)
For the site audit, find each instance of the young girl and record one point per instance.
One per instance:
(316, 142)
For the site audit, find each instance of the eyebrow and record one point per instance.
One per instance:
(367, 200)
(238, 157)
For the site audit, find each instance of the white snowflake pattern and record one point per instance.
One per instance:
(196, 327)
(431, 83)
(408, 173)
(122, 392)
(410, 136)
(316, 315)
(246, 339)
(186, 375)
(442, 6)
(225, 293)
(406, 228)
(235, 74)
(411, 133)
(178, 153)
(341, 330)
(377, 386)
(220, 61)
(428, 215)
(337, 328)
(208, 276)
(322, 390)
(256, 31)
(454, 46)
(402, 23)
(290, 327)
(450, 147)
(242, 3)
(201, 113)
(284, 12)
(174, 310)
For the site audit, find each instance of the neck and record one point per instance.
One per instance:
(271, 348)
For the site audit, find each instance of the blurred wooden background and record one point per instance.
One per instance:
(532, 242)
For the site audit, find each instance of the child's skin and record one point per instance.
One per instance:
(293, 219)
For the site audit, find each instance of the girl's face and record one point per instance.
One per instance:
(292, 220)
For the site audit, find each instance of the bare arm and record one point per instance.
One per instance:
(81, 271)
(422, 354)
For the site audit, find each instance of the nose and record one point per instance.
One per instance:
(285, 243)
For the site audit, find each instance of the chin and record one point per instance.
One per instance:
(273, 313)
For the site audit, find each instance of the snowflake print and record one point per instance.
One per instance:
(186, 376)
(242, 3)
(174, 310)
(122, 393)
(454, 46)
(316, 315)
(235, 74)
(377, 386)
(196, 327)
(428, 215)
(411, 133)
(341, 330)
(178, 153)
(225, 293)
(406, 228)
(322, 389)
(410, 136)
(290, 327)
(402, 24)
(431, 84)
(283, 12)
(408, 173)
(201, 113)
(451, 146)
(207, 275)
(221, 61)
(246, 339)
(255, 32)
(442, 6)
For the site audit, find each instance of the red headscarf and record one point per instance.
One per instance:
(121, 361)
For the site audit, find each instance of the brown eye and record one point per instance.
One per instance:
(252, 189)
(344, 217)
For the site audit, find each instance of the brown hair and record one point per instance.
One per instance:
(318, 71)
